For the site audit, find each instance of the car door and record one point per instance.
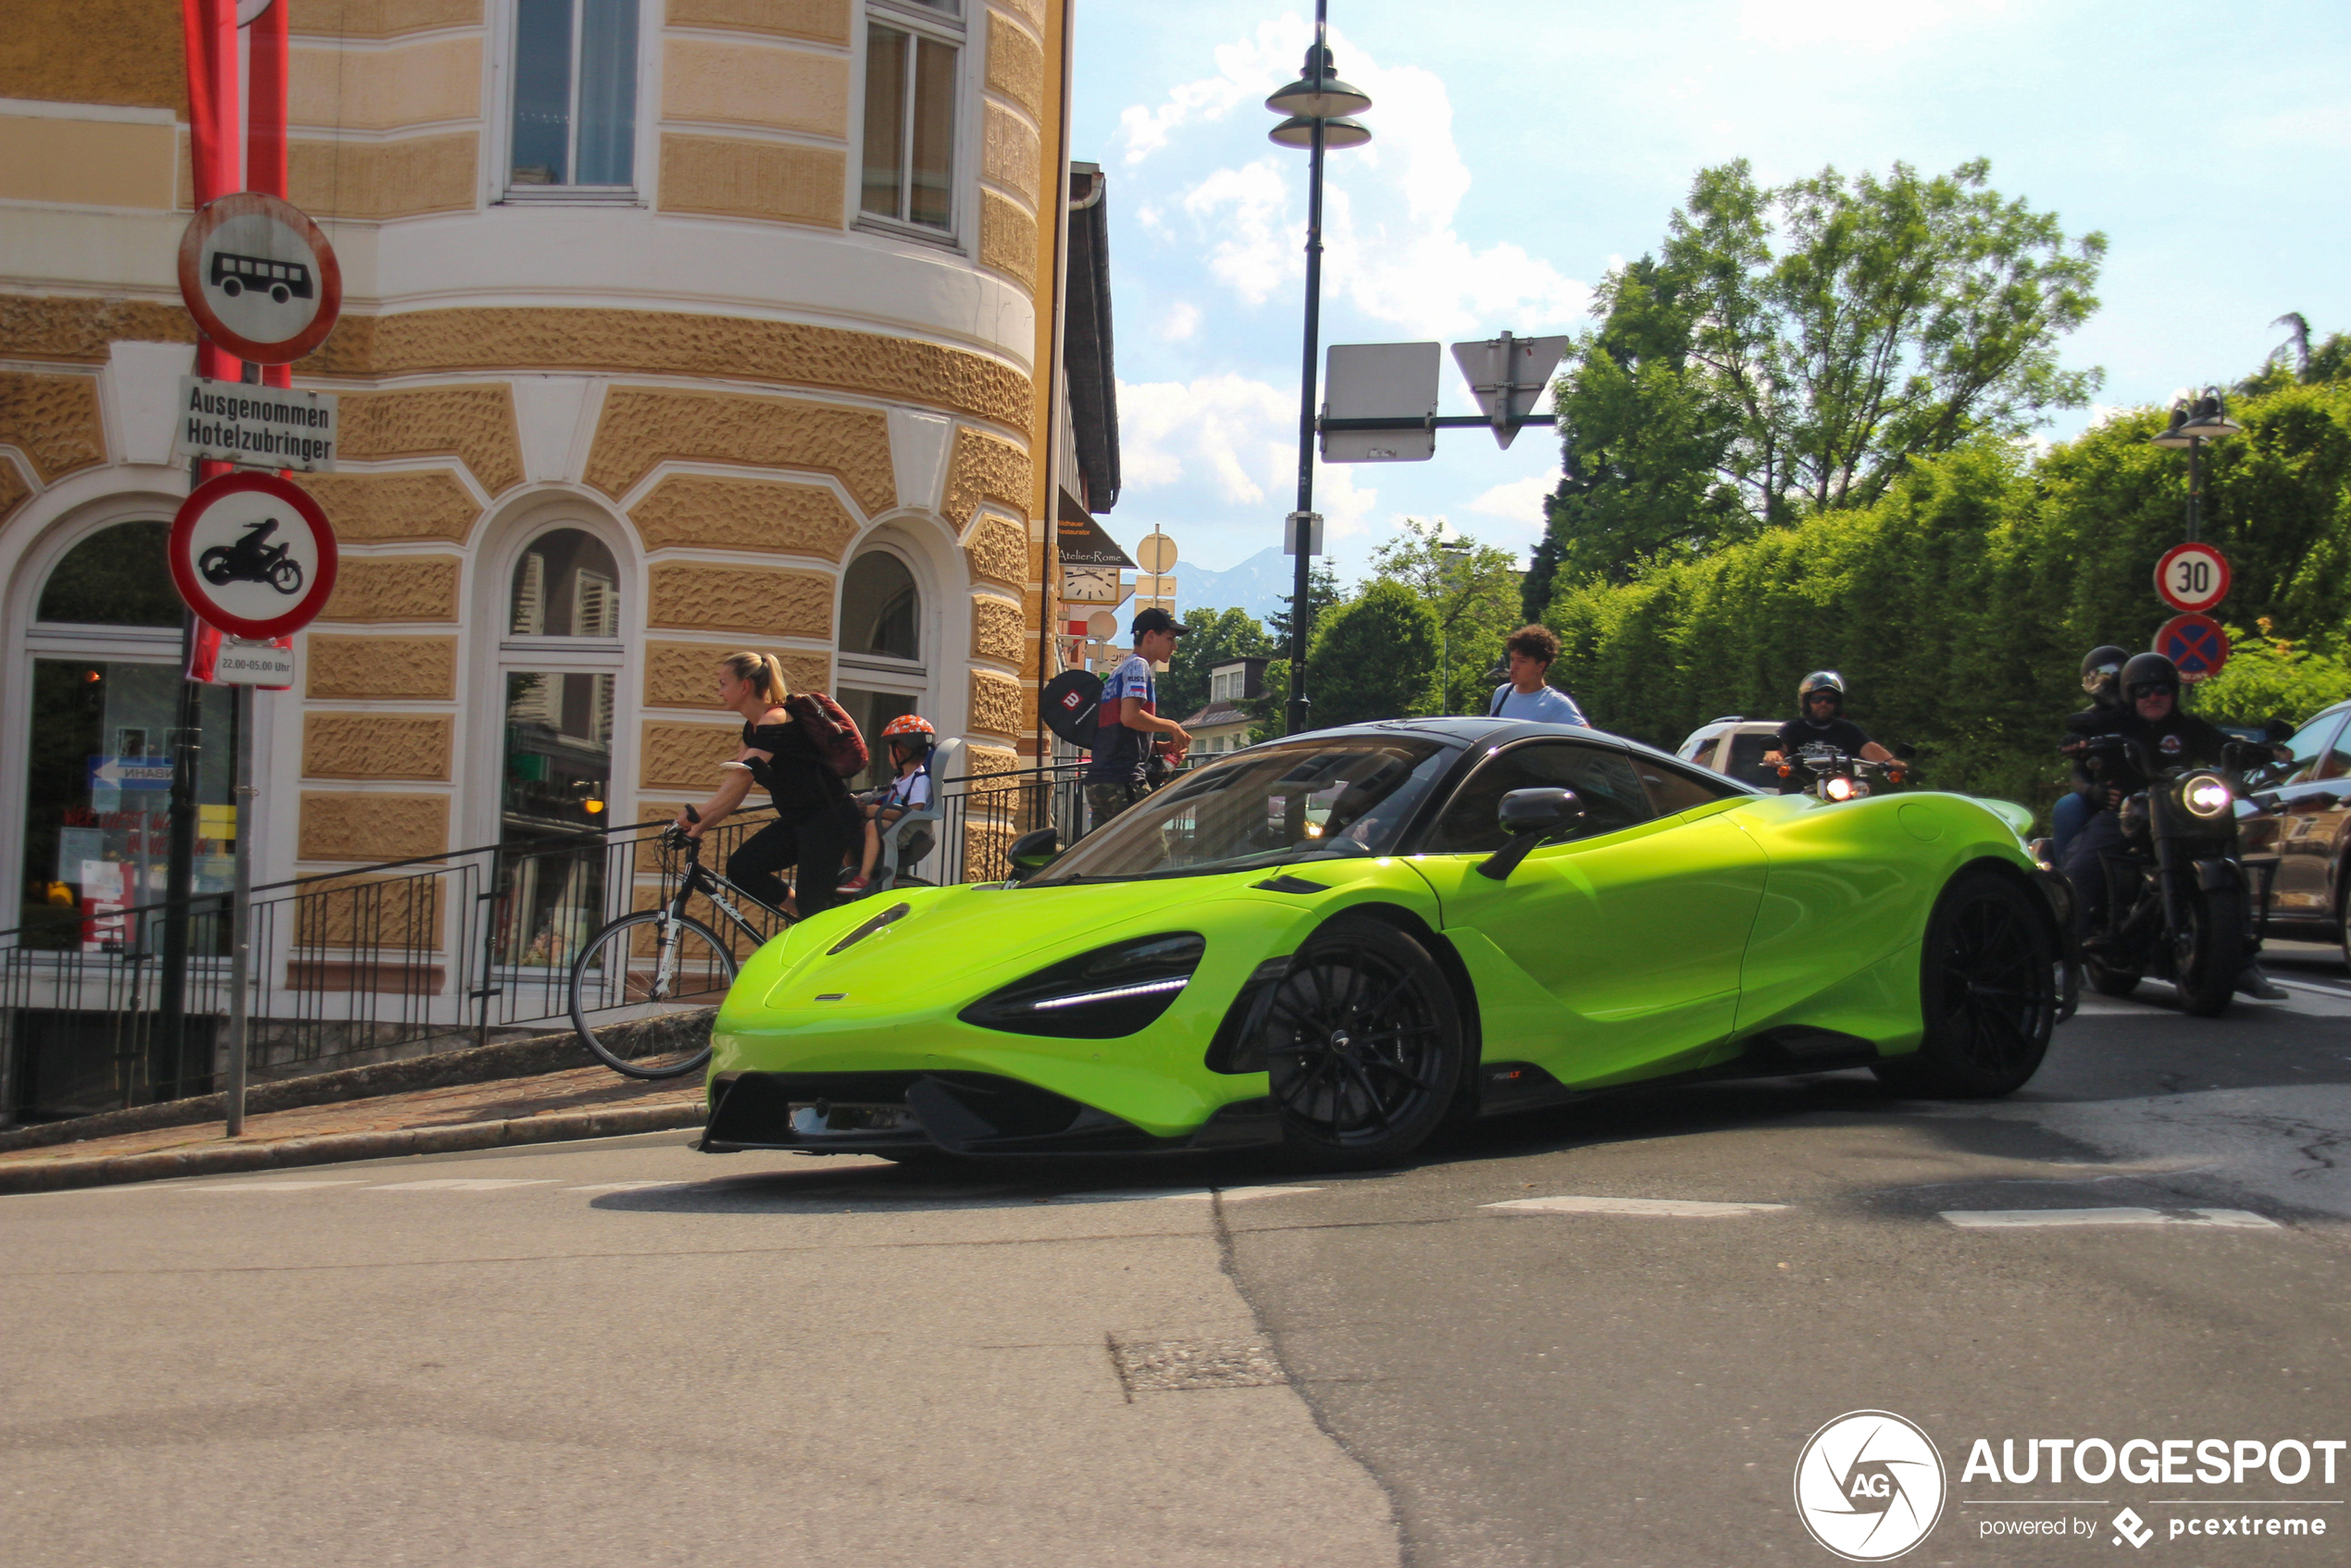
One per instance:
(2305, 803)
(1615, 954)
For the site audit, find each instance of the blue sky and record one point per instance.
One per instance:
(1520, 150)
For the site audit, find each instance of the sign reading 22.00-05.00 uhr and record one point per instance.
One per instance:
(259, 278)
(259, 427)
(253, 555)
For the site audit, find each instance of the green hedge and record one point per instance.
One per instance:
(1958, 607)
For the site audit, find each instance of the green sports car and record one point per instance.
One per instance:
(1344, 941)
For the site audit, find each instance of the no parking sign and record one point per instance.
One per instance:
(2196, 644)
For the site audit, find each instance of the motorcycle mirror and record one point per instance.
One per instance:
(1906, 751)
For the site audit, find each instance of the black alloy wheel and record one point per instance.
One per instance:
(1363, 1046)
(1987, 993)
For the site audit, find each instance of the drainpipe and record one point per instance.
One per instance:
(1049, 575)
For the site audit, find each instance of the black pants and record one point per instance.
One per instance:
(814, 845)
(2086, 870)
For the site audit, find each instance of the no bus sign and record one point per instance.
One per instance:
(2191, 578)
(259, 278)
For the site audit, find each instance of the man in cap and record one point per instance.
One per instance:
(1127, 723)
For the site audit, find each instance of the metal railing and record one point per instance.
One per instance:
(396, 959)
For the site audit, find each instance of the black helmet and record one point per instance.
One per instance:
(1826, 681)
(2102, 671)
(2149, 670)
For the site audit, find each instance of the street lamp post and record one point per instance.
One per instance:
(1452, 551)
(2194, 422)
(1316, 105)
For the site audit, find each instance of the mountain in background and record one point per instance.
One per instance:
(1259, 585)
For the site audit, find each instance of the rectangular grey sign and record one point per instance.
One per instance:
(255, 427)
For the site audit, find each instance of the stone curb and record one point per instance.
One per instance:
(221, 1159)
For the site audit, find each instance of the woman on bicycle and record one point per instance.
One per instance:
(816, 820)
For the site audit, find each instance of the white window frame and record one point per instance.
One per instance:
(954, 30)
(644, 145)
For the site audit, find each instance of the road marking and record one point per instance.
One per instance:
(1667, 1208)
(2019, 1219)
(464, 1184)
(646, 1186)
(1188, 1195)
(261, 1186)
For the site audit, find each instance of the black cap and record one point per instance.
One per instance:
(1157, 619)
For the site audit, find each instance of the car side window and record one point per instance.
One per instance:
(1602, 778)
(2312, 756)
(1671, 790)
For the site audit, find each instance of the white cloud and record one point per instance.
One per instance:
(1872, 25)
(1520, 501)
(1225, 441)
(1181, 321)
(1391, 247)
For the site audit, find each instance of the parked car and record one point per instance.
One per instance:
(1735, 747)
(2299, 818)
(1341, 941)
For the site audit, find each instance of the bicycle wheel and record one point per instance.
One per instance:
(622, 979)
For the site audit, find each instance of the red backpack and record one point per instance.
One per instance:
(830, 730)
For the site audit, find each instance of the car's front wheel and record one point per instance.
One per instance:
(1987, 993)
(1363, 1046)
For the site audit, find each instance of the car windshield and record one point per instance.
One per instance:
(1315, 799)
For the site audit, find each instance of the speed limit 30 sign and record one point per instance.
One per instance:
(2191, 578)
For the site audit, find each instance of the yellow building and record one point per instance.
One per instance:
(670, 326)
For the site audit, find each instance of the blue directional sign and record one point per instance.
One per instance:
(130, 773)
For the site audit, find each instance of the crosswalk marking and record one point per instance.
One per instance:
(1666, 1208)
(2023, 1219)
(463, 1184)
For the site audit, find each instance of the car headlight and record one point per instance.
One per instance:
(2206, 794)
(895, 912)
(1100, 995)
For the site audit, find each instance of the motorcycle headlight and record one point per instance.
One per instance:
(2205, 796)
(1838, 789)
(1100, 995)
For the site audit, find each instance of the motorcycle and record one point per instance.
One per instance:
(1831, 776)
(252, 559)
(2178, 906)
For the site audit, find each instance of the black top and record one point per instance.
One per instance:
(2099, 719)
(2175, 741)
(1842, 733)
(795, 778)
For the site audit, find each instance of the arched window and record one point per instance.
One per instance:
(566, 585)
(880, 608)
(880, 671)
(119, 575)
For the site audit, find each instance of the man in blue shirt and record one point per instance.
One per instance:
(1127, 725)
(1531, 650)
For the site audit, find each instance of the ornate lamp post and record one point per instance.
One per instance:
(2194, 422)
(1317, 105)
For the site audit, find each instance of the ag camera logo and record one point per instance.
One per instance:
(1870, 1485)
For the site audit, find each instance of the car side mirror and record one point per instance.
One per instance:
(1529, 817)
(1031, 853)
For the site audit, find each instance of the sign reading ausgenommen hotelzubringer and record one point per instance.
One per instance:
(257, 427)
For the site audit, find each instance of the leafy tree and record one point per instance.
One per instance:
(1374, 657)
(2269, 676)
(1472, 589)
(1795, 349)
(2294, 362)
(1321, 593)
(1217, 637)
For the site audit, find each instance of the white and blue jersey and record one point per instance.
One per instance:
(1549, 705)
(1120, 753)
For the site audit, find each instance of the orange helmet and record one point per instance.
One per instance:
(908, 724)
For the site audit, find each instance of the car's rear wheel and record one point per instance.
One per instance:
(1987, 993)
(1363, 1046)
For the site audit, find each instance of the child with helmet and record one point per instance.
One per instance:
(910, 738)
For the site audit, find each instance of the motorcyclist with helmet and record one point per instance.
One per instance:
(1820, 721)
(2150, 715)
(2102, 678)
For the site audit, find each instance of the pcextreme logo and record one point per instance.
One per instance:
(1870, 1485)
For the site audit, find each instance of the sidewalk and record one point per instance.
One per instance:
(542, 1108)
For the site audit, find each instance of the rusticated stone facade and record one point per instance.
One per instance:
(999, 705)
(685, 756)
(12, 488)
(53, 420)
(734, 176)
(1007, 238)
(372, 827)
(389, 903)
(986, 467)
(373, 180)
(756, 600)
(475, 422)
(642, 426)
(432, 82)
(378, 19)
(998, 632)
(654, 342)
(81, 332)
(724, 514)
(414, 669)
(684, 675)
(349, 745)
(1016, 66)
(364, 507)
(998, 553)
(397, 588)
(1008, 154)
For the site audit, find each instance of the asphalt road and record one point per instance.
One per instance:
(627, 1352)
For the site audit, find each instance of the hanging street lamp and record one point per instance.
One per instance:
(2195, 420)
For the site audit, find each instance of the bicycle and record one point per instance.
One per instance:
(690, 964)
